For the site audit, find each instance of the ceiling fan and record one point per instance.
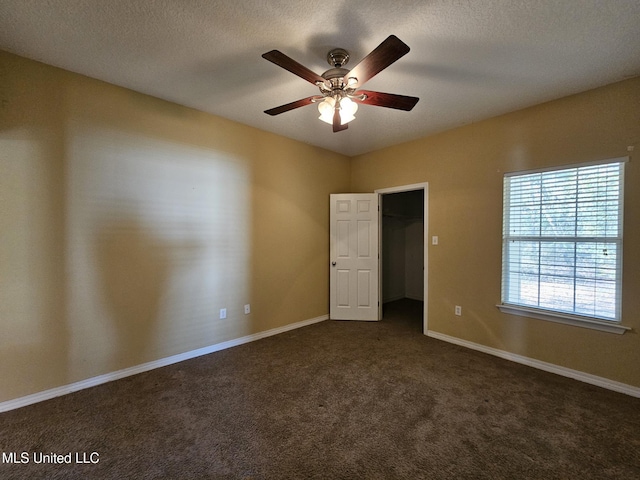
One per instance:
(339, 95)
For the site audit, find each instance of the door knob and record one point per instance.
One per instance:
(333, 264)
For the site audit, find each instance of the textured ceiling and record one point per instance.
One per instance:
(469, 60)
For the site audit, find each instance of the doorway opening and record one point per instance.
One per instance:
(403, 252)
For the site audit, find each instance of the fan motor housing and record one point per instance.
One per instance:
(334, 73)
(335, 77)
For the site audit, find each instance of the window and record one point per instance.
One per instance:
(562, 242)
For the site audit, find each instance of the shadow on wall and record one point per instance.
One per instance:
(35, 335)
(125, 224)
(159, 236)
(135, 268)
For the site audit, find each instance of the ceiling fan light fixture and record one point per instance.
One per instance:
(326, 108)
(347, 109)
(339, 95)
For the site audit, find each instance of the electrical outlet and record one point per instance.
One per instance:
(223, 313)
(247, 309)
(458, 310)
(434, 240)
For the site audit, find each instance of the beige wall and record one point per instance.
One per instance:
(464, 168)
(127, 222)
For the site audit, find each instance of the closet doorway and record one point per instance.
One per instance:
(403, 247)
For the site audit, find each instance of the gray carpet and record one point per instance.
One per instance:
(335, 400)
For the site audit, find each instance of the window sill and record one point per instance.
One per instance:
(601, 325)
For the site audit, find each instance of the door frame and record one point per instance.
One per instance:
(425, 216)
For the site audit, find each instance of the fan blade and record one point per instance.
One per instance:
(290, 106)
(384, 55)
(337, 127)
(291, 65)
(390, 100)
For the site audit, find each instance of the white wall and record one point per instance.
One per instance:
(414, 260)
(393, 259)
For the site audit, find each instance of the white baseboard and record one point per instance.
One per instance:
(402, 297)
(145, 367)
(415, 297)
(547, 367)
(392, 298)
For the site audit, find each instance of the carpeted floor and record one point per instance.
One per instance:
(335, 400)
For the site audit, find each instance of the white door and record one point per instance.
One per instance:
(353, 277)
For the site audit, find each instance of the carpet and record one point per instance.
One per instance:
(333, 400)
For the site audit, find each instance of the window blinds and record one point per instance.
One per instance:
(562, 240)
